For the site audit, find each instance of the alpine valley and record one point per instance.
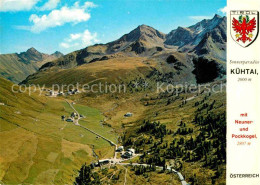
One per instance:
(168, 126)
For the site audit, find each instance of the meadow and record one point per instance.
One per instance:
(37, 147)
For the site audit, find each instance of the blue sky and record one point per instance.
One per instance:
(59, 25)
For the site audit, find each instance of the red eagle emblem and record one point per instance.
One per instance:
(244, 28)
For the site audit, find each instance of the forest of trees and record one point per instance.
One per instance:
(87, 176)
(201, 141)
(207, 145)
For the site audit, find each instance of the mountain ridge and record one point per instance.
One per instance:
(194, 33)
(143, 35)
(16, 67)
(149, 44)
(145, 41)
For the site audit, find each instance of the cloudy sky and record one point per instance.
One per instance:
(51, 25)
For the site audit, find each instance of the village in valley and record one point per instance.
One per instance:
(122, 156)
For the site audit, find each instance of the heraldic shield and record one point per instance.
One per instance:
(244, 26)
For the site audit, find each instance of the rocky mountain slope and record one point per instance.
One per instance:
(192, 35)
(16, 67)
(206, 39)
(140, 40)
(144, 41)
(213, 42)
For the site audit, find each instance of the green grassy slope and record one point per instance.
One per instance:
(37, 147)
(111, 71)
(12, 68)
(16, 67)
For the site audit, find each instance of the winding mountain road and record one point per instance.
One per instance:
(76, 122)
(125, 176)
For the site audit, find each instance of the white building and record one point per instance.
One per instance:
(131, 150)
(128, 114)
(103, 161)
(120, 149)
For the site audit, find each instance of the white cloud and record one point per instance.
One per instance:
(89, 4)
(223, 10)
(49, 5)
(200, 17)
(89, 38)
(64, 45)
(74, 14)
(80, 40)
(17, 5)
(74, 37)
